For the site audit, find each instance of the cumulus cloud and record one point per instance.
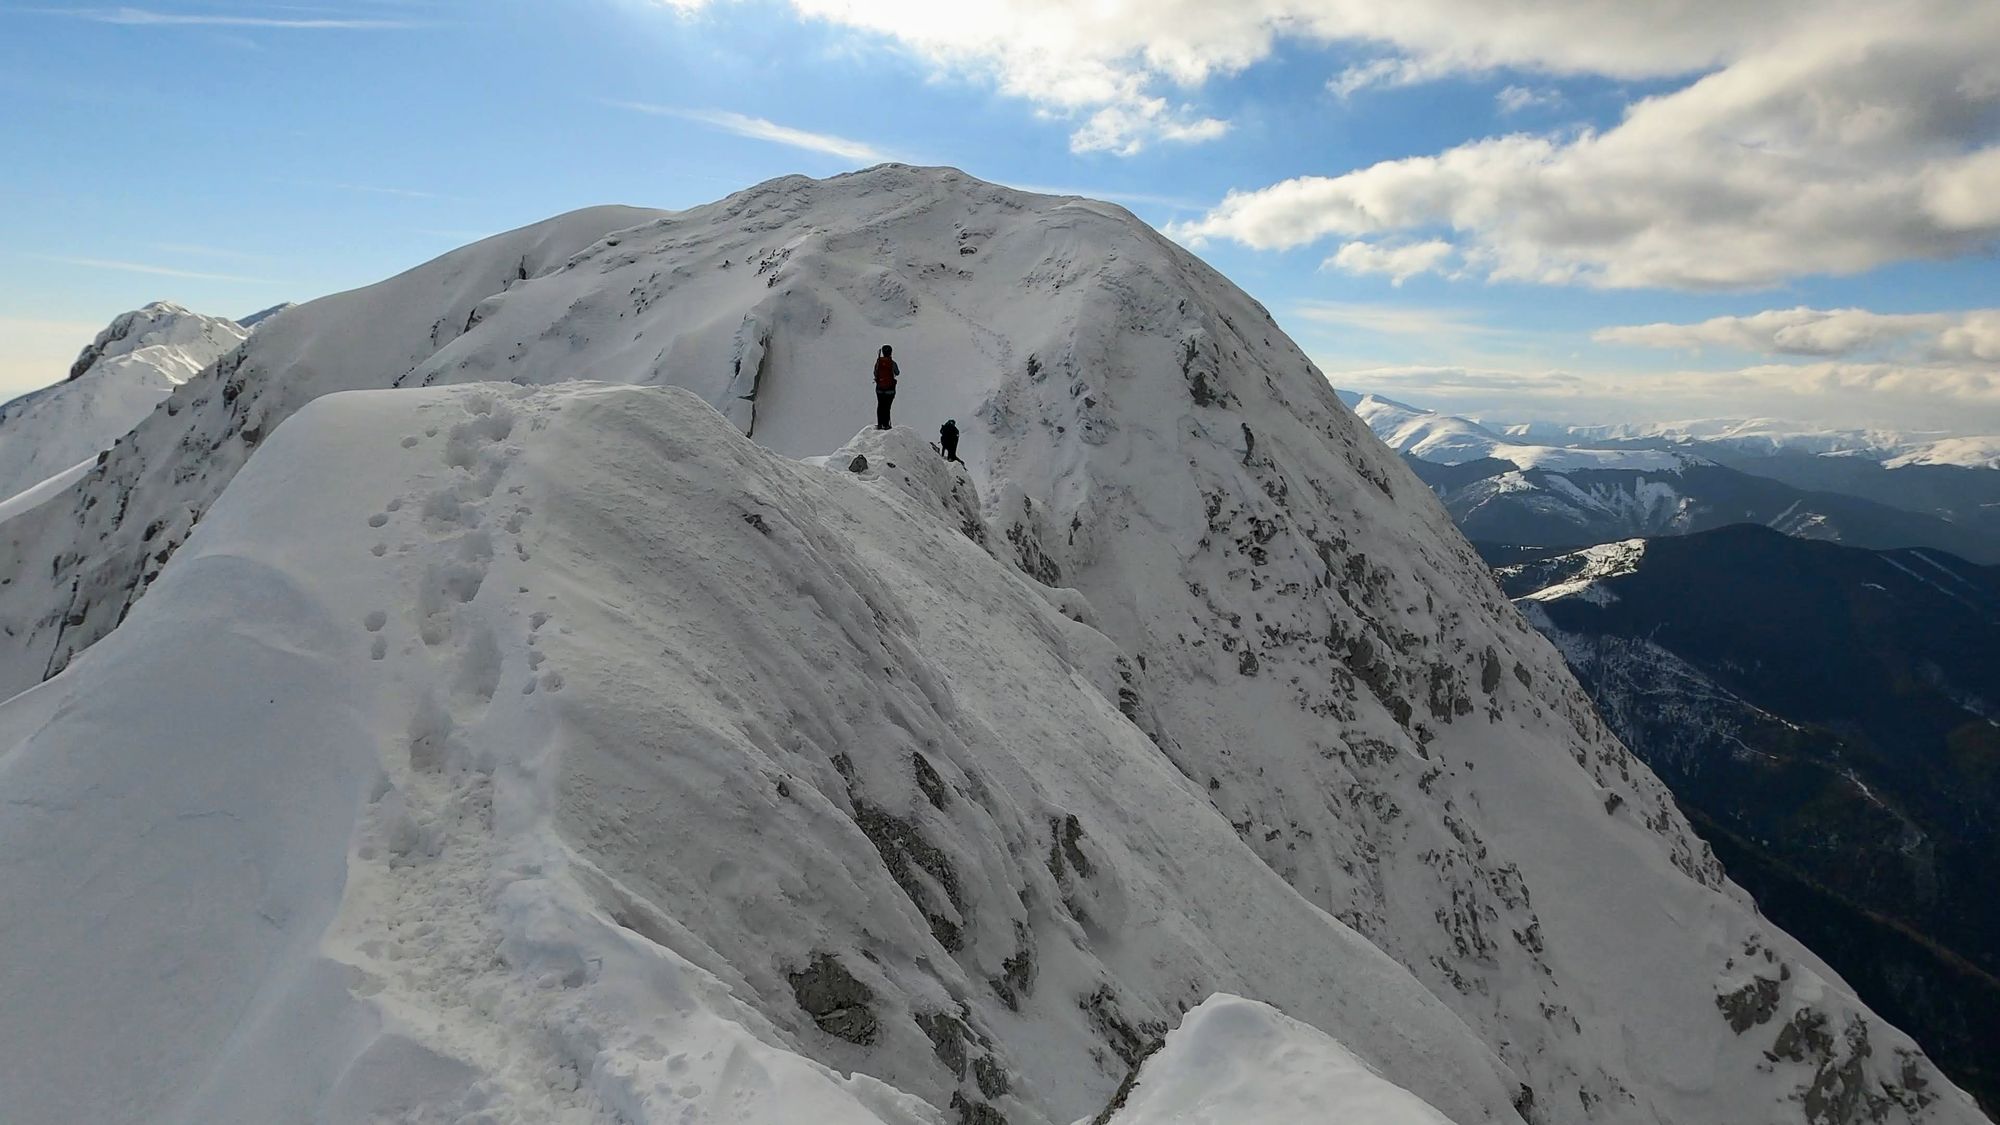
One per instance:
(1400, 261)
(1814, 137)
(1827, 139)
(1079, 59)
(1972, 336)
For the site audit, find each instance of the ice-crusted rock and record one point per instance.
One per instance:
(1262, 599)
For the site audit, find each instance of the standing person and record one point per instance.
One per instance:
(948, 437)
(885, 386)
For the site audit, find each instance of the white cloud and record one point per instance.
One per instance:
(1515, 99)
(1401, 261)
(1831, 139)
(1125, 128)
(1385, 73)
(1075, 59)
(1391, 319)
(1960, 337)
(757, 128)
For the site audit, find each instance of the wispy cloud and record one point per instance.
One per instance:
(147, 17)
(1514, 99)
(146, 268)
(374, 189)
(1394, 319)
(758, 128)
(200, 251)
(403, 193)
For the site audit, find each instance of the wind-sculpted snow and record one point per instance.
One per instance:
(657, 764)
(1239, 1062)
(1263, 600)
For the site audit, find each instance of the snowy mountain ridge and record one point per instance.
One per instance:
(1502, 491)
(1893, 448)
(1451, 440)
(1209, 671)
(139, 358)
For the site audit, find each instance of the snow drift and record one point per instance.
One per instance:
(1223, 604)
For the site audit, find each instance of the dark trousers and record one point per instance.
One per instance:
(882, 401)
(951, 449)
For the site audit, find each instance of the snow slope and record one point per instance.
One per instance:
(560, 741)
(120, 377)
(1305, 639)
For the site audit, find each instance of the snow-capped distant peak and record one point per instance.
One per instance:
(161, 324)
(1448, 439)
(1769, 436)
(139, 358)
(1966, 452)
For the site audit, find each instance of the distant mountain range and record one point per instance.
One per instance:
(1771, 436)
(1573, 486)
(1830, 719)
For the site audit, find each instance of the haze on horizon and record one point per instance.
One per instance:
(1578, 210)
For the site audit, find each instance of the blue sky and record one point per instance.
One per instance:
(1574, 212)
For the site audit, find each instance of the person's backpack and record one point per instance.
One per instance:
(885, 373)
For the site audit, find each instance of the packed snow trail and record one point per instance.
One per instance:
(1317, 657)
(557, 748)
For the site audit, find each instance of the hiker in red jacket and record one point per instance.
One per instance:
(885, 387)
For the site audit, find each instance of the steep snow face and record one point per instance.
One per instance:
(1237, 1062)
(131, 366)
(1307, 640)
(568, 756)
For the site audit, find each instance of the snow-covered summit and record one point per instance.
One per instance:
(181, 334)
(131, 366)
(1199, 593)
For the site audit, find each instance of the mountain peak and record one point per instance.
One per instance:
(973, 778)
